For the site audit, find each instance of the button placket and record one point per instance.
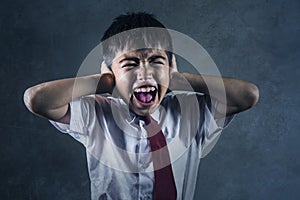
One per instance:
(143, 150)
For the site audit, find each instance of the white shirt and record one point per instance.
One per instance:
(118, 151)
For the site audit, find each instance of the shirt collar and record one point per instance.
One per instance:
(124, 114)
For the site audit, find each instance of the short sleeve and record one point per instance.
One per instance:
(80, 109)
(210, 128)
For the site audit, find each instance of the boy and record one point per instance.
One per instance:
(144, 141)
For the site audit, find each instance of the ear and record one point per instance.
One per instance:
(105, 69)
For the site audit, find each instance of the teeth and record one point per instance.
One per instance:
(144, 89)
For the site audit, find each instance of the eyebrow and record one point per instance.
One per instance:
(135, 59)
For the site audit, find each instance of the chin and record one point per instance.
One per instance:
(143, 111)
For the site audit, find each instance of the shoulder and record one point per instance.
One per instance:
(87, 105)
(93, 100)
(186, 104)
(188, 98)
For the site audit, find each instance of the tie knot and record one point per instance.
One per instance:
(146, 119)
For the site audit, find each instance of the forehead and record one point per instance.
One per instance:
(141, 54)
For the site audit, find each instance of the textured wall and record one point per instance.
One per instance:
(257, 156)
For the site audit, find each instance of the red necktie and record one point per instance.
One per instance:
(164, 183)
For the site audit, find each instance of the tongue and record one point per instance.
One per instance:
(144, 97)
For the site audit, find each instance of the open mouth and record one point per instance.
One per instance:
(145, 94)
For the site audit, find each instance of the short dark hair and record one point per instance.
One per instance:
(136, 37)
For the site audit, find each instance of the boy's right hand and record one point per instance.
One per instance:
(106, 83)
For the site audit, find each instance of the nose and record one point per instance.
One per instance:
(144, 72)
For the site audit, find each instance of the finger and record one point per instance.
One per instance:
(104, 69)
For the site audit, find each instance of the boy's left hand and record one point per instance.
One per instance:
(173, 64)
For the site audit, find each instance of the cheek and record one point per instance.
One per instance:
(119, 76)
(124, 82)
(163, 77)
(125, 77)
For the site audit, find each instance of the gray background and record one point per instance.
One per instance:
(257, 156)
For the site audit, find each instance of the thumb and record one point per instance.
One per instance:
(104, 69)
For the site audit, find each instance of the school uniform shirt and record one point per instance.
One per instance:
(118, 151)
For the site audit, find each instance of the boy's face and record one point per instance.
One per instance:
(142, 78)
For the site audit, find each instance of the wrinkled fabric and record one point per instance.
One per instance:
(118, 151)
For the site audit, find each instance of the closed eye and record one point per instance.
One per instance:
(157, 60)
(129, 62)
(130, 65)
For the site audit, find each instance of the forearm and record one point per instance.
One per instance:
(229, 91)
(50, 99)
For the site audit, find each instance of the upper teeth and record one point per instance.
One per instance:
(144, 89)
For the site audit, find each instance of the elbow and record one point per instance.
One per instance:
(252, 95)
(27, 98)
(32, 98)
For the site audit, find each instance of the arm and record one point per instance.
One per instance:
(51, 99)
(240, 95)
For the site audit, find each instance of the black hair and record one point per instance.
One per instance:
(114, 40)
